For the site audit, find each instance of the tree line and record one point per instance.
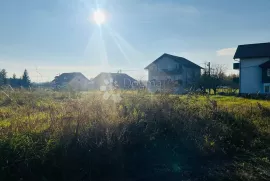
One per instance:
(23, 81)
(216, 79)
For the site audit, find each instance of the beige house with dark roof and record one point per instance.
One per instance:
(75, 81)
(168, 69)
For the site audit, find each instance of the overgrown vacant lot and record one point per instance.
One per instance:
(63, 136)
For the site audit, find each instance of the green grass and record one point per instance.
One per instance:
(81, 136)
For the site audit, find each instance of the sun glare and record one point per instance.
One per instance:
(99, 17)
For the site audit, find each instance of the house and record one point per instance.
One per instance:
(75, 81)
(170, 70)
(254, 68)
(14, 82)
(116, 80)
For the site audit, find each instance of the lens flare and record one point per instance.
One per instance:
(99, 17)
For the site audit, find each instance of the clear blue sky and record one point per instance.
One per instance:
(55, 36)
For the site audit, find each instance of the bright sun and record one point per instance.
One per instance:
(99, 17)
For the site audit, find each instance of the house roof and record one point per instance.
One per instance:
(253, 50)
(181, 60)
(67, 77)
(118, 77)
(265, 64)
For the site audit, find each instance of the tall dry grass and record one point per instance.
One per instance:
(59, 136)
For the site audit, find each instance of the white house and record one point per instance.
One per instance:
(75, 81)
(254, 68)
(170, 68)
(119, 80)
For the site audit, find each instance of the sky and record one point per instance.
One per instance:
(56, 36)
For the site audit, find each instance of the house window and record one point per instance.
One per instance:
(268, 72)
(170, 67)
(178, 66)
(267, 89)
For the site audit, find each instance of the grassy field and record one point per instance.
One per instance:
(81, 136)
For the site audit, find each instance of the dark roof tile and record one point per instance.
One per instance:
(181, 60)
(253, 51)
(120, 78)
(265, 64)
(67, 77)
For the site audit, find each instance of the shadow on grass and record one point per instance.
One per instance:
(144, 150)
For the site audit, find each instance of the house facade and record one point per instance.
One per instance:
(172, 72)
(254, 68)
(113, 80)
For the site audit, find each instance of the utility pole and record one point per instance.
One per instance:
(209, 68)
(209, 73)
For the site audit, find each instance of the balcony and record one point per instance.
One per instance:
(167, 72)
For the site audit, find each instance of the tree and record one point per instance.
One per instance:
(205, 81)
(25, 82)
(213, 80)
(217, 77)
(14, 82)
(232, 81)
(14, 76)
(3, 77)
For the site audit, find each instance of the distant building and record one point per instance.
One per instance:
(169, 69)
(75, 81)
(14, 82)
(254, 68)
(116, 80)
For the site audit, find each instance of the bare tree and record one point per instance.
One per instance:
(217, 77)
(232, 81)
(214, 79)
